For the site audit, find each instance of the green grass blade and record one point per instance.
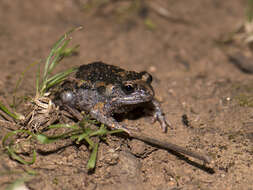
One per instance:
(63, 126)
(44, 139)
(89, 141)
(20, 80)
(57, 57)
(11, 151)
(85, 136)
(55, 48)
(14, 156)
(249, 11)
(51, 54)
(8, 112)
(115, 131)
(59, 54)
(56, 79)
(87, 119)
(38, 81)
(8, 135)
(93, 158)
(103, 131)
(70, 51)
(100, 132)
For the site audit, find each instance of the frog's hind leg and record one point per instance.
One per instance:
(99, 113)
(73, 112)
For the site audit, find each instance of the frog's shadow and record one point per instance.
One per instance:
(135, 114)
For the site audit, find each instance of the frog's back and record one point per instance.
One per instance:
(109, 74)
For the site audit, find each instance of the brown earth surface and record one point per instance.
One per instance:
(192, 76)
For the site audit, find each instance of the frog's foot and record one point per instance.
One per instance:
(159, 116)
(73, 112)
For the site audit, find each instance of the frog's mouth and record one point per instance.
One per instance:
(135, 93)
(135, 98)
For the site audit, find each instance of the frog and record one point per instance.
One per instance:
(103, 90)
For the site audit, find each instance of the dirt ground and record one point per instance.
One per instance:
(192, 76)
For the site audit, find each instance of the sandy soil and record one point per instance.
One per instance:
(192, 76)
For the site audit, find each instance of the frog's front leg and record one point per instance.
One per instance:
(158, 115)
(101, 114)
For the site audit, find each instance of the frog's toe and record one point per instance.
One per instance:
(158, 116)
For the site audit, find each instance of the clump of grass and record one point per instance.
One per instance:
(43, 84)
(245, 100)
(150, 24)
(243, 32)
(248, 23)
(58, 52)
(9, 147)
(79, 132)
(249, 11)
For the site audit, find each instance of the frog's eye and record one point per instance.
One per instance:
(128, 88)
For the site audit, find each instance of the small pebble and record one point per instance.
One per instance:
(152, 69)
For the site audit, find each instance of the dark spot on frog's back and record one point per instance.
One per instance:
(110, 74)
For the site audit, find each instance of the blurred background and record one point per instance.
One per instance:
(199, 53)
(162, 36)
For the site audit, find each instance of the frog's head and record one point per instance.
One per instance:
(132, 91)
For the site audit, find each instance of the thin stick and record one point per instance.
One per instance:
(170, 146)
